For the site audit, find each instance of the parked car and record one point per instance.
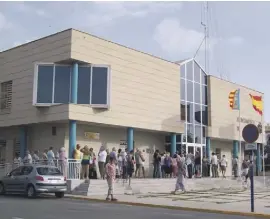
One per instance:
(31, 180)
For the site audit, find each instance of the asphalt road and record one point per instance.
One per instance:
(14, 207)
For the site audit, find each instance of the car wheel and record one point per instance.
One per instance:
(2, 189)
(31, 192)
(59, 194)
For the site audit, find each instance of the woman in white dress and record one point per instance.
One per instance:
(180, 184)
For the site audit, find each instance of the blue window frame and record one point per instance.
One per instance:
(44, 92)
(84, 85)
(52, 85)
(62, 90)
(99, 91)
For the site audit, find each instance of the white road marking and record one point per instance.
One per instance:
(16, 218)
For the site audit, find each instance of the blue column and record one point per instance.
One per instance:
(23, 141)
(130, 139)
(235, 148)
(74, 96)
(74, 83)
(258, 158)
(208, 148)
(72, 136)
(173, 144)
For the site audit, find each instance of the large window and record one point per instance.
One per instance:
(53, 85)
(6, 96)
(194, 102)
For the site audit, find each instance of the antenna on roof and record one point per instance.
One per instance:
(206, 36)
(204, 23)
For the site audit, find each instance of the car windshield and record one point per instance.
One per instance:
(49, 171)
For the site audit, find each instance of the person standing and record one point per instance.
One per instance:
(110, 175)
(35, 157)
(28, 158)
(156, 163)
(85, 162)
(214, 165)
(205, 167)
(180, 184)
(102, 155)
(223, 166)
(50, 156)
(130, 166)
(63, 161)
(139, 162)
(189, 165)
(197, 164)
(235, 166)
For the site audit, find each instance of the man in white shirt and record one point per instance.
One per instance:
(102, 155)
(214, 167)
(223, 165)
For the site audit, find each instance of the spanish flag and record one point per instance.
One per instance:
(234, 99)
(257, 103)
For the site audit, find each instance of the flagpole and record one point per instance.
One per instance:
(263, 163)
(240, 145)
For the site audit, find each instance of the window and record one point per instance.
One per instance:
(45, 84)
(6, 96)
(190, 133)
(48, 171)
(62, 84)
(190, 112)
(183, 89)
(190, 91)
(198, 134)
(189, 70)
(53, 84)
(27, 170)
(16, 172)
(204, 95)
(197, 75)
(178, 138)
(183, 111)
(84, 85)
(197, 114)
(182, 71)
(54, 131)
(197, 93)
(99, 85)
(204, 77)
(167, 139)
(205, 115)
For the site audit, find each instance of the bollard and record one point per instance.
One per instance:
(252, 187)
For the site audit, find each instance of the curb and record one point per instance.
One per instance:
(236, 213)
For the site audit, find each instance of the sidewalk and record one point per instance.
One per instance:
(227, 202)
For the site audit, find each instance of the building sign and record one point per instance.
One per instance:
(123, 142)
(250, 147)
(91, 135)
(244, 120)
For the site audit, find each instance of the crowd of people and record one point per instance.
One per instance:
(48, 157)
(122, 164)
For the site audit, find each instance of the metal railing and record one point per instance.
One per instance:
(70, 168)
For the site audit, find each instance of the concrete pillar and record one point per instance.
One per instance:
(235, 148)
(74, 97)
(72, 136)
(173, 144)
(208, 148)
(23, 141)
(74, 83)
(130, 138)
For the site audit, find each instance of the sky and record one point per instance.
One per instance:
(238, 45)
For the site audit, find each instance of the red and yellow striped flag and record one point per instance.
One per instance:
(257, 103)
